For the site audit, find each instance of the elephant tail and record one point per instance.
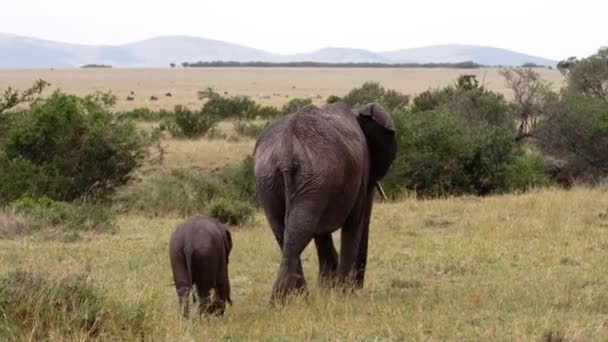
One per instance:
(288, 185)
(188, 257)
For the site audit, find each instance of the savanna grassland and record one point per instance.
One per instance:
(523, 266)
(512, 267)
(269, 86)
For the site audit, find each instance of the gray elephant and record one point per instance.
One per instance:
(316, 171)
(198, 250)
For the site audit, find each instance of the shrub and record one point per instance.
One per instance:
(575, 123)
(526, 172)
(11, 97)
(229, 193)
(267, 112)
(12, 224)
(471, 101)
(188, 123)
(45, 214)
(369, 92)
(239, 179)
(36, 306)
(249, 129)
(70, 147)
(294, 105)
(431, 150)
(183, 192)
(145, 114)
(575, 129)
(231, 211)
(333, 99)
(237, 107)
(441, 153)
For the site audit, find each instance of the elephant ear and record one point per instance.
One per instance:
(379, 130)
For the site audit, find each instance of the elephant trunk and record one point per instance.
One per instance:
(381, 190)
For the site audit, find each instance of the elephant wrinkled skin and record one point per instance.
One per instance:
(316, 171)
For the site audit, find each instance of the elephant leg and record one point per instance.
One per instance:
(205, 306)
(328, 259)
(299, 231)
(181, 278)
(183, 295)
(349, 250)
(276, 219)
(362, 255)
(222, 296)
(350, 242)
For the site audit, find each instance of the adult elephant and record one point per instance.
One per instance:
(316, 171)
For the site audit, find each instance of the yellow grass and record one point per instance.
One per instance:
(514, 267)
(517, 267)
(254, 82)
(205, 153)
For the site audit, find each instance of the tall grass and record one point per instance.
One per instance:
(512, 267)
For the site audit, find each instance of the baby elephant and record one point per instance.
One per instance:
(199, 250)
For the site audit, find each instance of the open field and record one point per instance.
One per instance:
(516, 267)
(513, 267)
(255, 82)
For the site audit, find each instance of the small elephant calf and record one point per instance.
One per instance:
(199, 249)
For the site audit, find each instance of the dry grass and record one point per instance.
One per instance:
(255, 82)
(12, 224)
(514, 267)
(205, 153)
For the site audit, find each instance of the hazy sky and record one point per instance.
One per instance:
(553, 29)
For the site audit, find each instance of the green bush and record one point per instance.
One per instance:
(575, 123)
(333, 99)
(36, 306)
(145, 114)
(187, 123)
(249, 129)
(267, 112)
(183, 192)
(392, 100)
(45, 214)
(294, 105)
(471, 101)
(431, 149)
(69, 147)
(186, 192)
(239, 180)
(440, 153)
(231, 211)
(237, 107)
(526, 172)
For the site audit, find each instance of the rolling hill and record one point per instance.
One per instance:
(27, 52)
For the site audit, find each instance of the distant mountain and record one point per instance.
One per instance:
(454, 53)
(161, 51)
(338, 55)
(26, 52)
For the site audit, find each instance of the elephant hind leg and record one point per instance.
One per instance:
(182, 281)
(328, 259)
(301, 223)
(205, 304)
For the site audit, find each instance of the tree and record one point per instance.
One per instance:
(575, 123)
(172, 65)
(529, 93)
(588, 76)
